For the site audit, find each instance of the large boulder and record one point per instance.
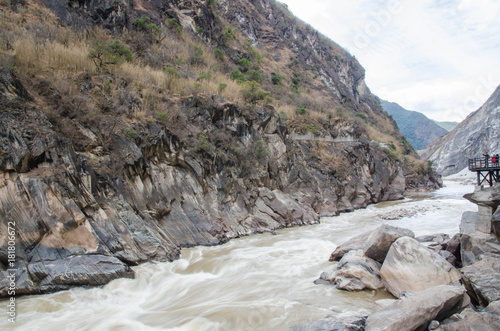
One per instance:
(469, 319)
(379, 242)
(482, 280)
(495, 223)
(78, 270)
(416, 311)
(410, 266)
(355, 272)
(476, 246)
(355, 243)
(375, 244)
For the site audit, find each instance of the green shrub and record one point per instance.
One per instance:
(222, 87)
(391, 154)
(254, 75)
(113, 53)
(362, 116)
(244, 65)
(173, 24)
(144, 24)
(204, 143)
(204, 75)
(276, 79)
(219, 55)
(129, 132)
(237, 76)
(228, 33)
(301, 110)
(252, 92)
(171, 71)
(295, 83)
(162, 117)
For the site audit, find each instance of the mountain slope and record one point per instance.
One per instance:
(448, 126)
(478, 133)
(416, 127)
(131, 129)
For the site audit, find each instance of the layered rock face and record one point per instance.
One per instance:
(478, 133)
(150, 195)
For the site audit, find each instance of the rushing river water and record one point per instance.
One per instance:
(261, 282)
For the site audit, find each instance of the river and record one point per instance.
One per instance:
(261, 282)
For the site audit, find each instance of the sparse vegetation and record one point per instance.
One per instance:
(103, 54)
(135, 75)
(252, 92)
(145, 24)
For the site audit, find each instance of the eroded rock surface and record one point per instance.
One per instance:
(416, 311)
(355, 272)
(482, 280)
(410, 266)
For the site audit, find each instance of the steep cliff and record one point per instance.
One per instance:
(478, 133)
(107, 161)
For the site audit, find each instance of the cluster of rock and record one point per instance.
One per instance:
(400, 213)
(440, 283)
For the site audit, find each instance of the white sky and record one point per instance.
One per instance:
(439, 57)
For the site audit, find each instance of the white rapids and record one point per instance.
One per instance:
(261, 282)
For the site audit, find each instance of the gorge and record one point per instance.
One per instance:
(116, 149)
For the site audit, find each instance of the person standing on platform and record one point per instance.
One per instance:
(486, 158)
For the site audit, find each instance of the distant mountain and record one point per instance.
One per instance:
(479, 132)
(419, 130)
(448, 126)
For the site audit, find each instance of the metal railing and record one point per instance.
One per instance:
(483, 163)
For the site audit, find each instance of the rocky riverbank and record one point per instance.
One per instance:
(439, 283)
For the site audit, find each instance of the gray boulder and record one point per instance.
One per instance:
(495, 223)
(476, 246)
(482, 280)
(355, 243)
(80, 270)
(375, 244)
(355, 272)
(416, 311)
(469, 319)
(379, 242)
(410, 266)
(433, 239)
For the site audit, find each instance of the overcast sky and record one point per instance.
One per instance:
(439, 57)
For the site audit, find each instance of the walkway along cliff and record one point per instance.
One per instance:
(92, 192)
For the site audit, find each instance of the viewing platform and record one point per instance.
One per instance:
(487, 170)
